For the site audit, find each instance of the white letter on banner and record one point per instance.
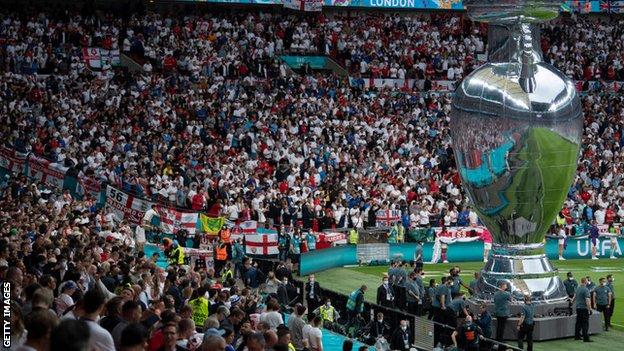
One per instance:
(578, 248)
(606, 245)
(411, 3)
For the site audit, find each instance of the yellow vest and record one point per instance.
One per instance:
(353, 236)
(327, 313)
(400, 234)
(177, 256)
(200, 311)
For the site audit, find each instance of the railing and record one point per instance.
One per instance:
(422, 329)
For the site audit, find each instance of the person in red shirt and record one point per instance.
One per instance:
(610, 215)
(198, 201)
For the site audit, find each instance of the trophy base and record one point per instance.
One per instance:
(531, 275)
(553, 320)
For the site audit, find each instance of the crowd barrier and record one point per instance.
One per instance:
(340, 256)
(421, 328)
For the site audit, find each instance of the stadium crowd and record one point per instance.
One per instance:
(222, 138)
(215, 122)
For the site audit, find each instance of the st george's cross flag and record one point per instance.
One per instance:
(261, 244)
(386, 218)
(172, 220)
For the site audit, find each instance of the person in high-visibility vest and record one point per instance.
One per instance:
(353, 236)
(228, 272)
(174, 252)
(221, 256)
(355, 305)
(400, 233)
(328, 313)
(200, 306)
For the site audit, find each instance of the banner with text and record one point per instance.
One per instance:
(125, 206)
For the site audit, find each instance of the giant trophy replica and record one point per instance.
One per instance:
(516, 124)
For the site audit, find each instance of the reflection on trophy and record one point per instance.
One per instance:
(516, 128)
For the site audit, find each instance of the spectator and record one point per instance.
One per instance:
(71, 335)
(40, 325)
(401, 338)
(94, 302)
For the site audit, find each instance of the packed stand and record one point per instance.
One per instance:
(224, 140)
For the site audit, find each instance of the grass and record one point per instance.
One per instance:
(345, 280)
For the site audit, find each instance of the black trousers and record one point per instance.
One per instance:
(438, 329)
(605, 314)
(312, 305)
(414, 308)
(500, 327)
(526, 331)
(582, 323)
(611, 309)
(399, 301)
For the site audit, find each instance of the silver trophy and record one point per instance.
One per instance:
(516, 125)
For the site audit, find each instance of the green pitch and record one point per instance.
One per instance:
(345, 280)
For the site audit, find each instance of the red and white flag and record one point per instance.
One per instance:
(46, 172)
(171, 220)
(386, 218)
(261, 244)
(126, 206)
(248, 227)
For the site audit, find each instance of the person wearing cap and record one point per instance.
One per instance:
(64, 300)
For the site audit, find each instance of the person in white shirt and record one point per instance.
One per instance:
(272, 316)
(473, 218)
(314, 334)
(101, 339)
(562, 238)
(64, 300)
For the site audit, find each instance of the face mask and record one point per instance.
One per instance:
(328, 304)
(385, 282)
(285, 282)
(603, 284)
(380, 320)
(570, 278)
(404, 327)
